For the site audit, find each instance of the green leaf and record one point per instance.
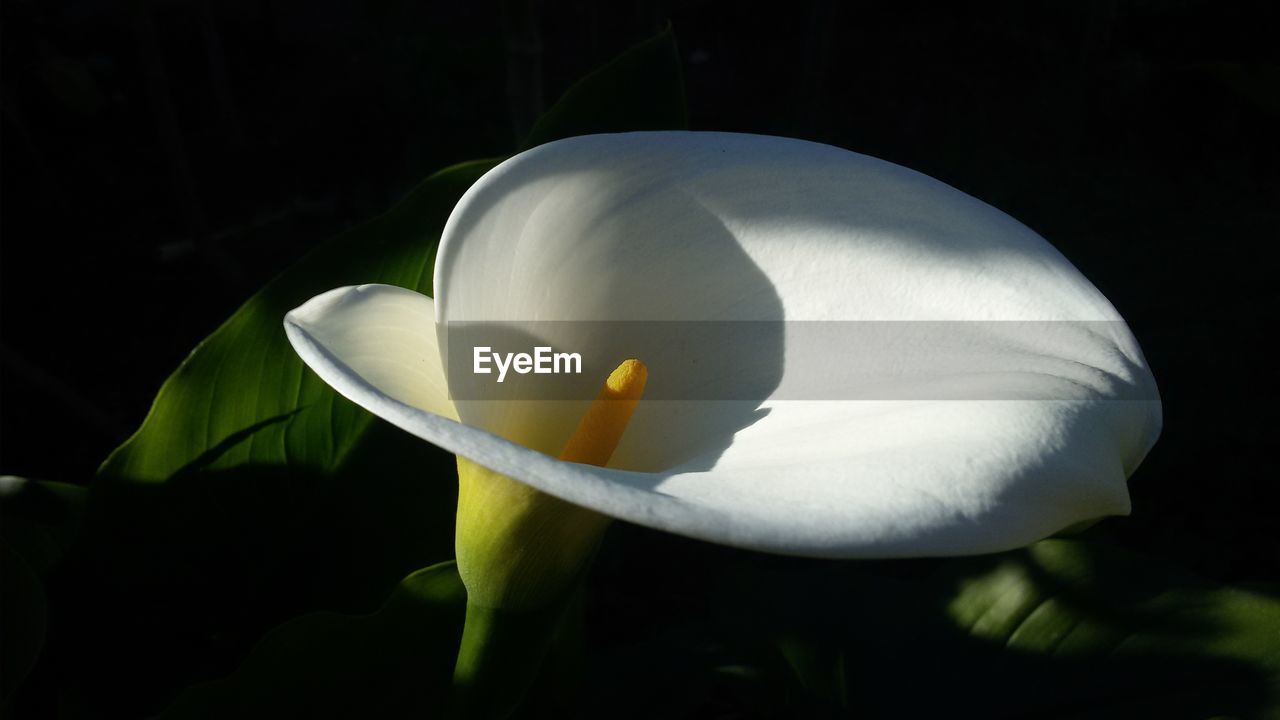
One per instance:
(1065, 628)
(1149, 640)
(253, 492)
(642, 89)
(244, 398)
(325, 665)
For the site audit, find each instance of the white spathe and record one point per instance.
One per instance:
(714, 226)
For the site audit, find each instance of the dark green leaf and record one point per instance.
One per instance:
(41, 519)
(38, 521)
(1061, 629)
(642, 89)
(244, 398)
(325, 665)
(1133, 638)
(253, 492)
(738, 634)
(23, 614)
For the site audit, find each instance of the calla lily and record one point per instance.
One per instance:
(1036, 438)
(727, 227)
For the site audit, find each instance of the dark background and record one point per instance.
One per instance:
(163, 160)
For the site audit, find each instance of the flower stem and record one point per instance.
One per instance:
(501, 654)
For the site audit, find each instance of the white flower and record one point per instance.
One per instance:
(712, 226)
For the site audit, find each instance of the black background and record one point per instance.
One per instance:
(163, 160)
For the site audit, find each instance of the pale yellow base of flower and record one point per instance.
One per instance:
(519, 548)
